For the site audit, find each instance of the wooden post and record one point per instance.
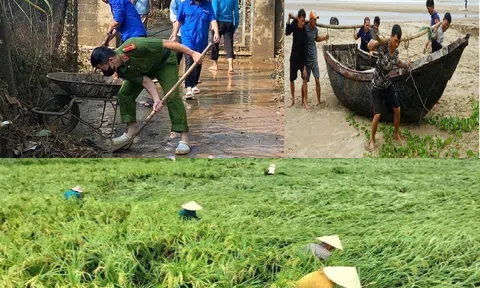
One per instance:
(6, 70)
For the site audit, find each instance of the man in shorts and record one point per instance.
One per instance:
(383, 93)
(298, 57)
(312, 61)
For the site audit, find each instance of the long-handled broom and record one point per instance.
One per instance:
(153, 113)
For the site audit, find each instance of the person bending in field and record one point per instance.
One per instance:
(298, 56)
(382, 90)
(137, 61)
(437, 39)
(328, 244)
(364, 34)
(329, 277)
(312, 61)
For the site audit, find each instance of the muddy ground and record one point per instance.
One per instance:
(234, 116)
(324, 132)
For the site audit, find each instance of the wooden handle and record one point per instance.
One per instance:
(189, 71)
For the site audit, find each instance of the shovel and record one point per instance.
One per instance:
(153, 113)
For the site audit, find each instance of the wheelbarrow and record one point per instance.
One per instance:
(61, 113)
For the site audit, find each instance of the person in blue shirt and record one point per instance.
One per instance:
(194, 17)
(125, 20)
(434, 18)
(174, 5)
(143, 8)
(365, 34)
(226, 13)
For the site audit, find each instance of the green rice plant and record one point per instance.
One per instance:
(403, 223)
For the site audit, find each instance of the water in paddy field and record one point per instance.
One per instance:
(353, 17)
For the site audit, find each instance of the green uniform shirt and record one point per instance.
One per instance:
(141, 57)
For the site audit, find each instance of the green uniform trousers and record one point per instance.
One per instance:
(167, 76)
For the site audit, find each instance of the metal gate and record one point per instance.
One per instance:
(243, 36)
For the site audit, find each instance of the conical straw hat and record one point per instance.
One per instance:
(332, 240)
(344, 276)
(77, 188)
(192, 206)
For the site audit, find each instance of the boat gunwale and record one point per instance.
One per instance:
(367, 75)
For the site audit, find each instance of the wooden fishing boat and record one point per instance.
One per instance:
(351, 71)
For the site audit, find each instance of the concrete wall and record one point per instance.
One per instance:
(263, 41)
(93, 19)
(279, 25)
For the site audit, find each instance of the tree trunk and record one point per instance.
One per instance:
(6, 71)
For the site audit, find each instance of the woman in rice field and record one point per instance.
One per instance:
(328, 277)
(328, 244)
(189, 211)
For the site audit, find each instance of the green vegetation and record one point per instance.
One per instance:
(455, 124)
(403, 223)
(423, 146)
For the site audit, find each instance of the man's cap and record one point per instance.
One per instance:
(77, 188)
(313, 14)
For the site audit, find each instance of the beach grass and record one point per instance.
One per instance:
(403, 223)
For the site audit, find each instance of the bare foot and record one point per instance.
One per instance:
(231, 72)
(306, 106)
(213, 67)
(291, 105)
(399, 139)
(371, 146)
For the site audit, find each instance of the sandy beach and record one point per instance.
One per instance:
(324, 132)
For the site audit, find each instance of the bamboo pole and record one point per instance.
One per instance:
(383, 39)
(339, 26)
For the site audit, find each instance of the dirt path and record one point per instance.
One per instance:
(324, 131)
(234, 116)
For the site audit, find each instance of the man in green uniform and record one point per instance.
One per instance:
(137, 61)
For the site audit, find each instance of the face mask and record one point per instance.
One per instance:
(109, 72)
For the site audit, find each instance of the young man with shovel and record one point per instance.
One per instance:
(137, 61)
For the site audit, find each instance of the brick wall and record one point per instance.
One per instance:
(93, 19)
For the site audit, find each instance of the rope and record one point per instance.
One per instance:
(419, 97)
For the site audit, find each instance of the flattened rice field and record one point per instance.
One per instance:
(403, 223)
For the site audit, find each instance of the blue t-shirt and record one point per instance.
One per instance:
(142, 7)
(226, 11)
(130, 23)
(195, 21)
(434, 16)
(365, 38)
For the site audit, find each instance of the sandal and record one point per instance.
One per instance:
(189, 96)
(195, 90)
(183, 148)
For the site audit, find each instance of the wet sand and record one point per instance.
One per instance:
(324, 132)
(234, 116)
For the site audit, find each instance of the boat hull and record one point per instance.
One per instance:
(429, 76)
